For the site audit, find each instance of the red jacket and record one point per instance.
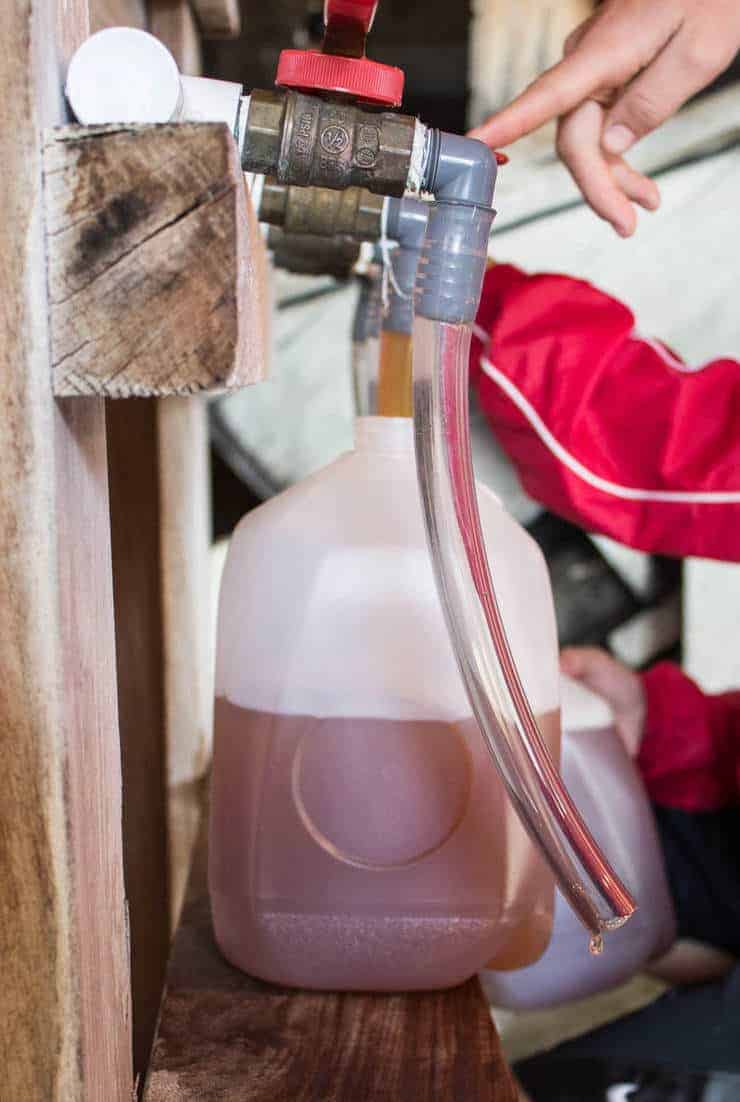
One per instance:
(601, 423)
(613, 431)
(690, 753)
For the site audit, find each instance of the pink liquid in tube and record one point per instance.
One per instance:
(480, 632)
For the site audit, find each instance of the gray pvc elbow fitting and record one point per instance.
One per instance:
(458, 169)
(406, 223)
(461, 174)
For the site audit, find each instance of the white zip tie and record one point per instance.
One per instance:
(366, 259)
(389, 276)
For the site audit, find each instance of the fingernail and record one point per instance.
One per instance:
(622, 230)
(617, 139)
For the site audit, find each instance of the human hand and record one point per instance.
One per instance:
(626, 69)
(616, 683)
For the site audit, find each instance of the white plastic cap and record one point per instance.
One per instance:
(123, 75)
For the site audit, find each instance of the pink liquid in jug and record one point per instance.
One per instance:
(361, 838)
(369, 854)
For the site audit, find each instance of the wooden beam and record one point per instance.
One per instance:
(146, 577)
(222, 1035)
(218, 18)
(185, 538)
(155, 259)
(133, 455)
(93, 773)
(172, 21)
(64, 992)
(117, 13)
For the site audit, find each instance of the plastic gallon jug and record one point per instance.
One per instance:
(360, 834)
(605, 784)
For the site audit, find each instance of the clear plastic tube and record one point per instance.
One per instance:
(365, 367)
(366, 342)
(474, 620)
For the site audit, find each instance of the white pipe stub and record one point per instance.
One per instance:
(121, 74)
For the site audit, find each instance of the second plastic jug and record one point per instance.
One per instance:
(360, 835)
(610, 794)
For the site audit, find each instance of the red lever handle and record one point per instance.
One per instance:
(342, 67)
(359, 13)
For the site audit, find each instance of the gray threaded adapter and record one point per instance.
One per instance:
(461, 173)
(453, 262)
(406, 223)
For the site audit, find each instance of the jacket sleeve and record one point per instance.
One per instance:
(690, 753)
(602, 424)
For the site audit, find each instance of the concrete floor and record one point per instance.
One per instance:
(525, 1033)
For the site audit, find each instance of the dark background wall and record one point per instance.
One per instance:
(427, 38)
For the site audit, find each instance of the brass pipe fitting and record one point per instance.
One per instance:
(309, 141)
(355, 212)
(304, 254)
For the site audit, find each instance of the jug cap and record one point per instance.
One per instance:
(581, 709)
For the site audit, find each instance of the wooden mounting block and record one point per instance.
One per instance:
(157, 268)
(225, 1036)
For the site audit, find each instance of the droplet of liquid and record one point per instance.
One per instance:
(596, 945)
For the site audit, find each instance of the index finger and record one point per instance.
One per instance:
(554, 93)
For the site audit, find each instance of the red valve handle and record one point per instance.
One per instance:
(361, 13)
(363, 80)
(341, 67)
